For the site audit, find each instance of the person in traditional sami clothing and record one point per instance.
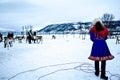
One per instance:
(100, 51)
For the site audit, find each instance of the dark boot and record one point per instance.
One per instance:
(97, 73)
(97, 68)
(104, 77)
(103, 67)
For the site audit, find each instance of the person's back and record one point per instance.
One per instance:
(34, 33)
(30, 33)
(10, 35)
(100, 50)
(30, 36)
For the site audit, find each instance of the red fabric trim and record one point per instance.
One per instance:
(100, 58)
(102, 33)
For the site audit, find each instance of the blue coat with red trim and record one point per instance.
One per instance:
(100, 50)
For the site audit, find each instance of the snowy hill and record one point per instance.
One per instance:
(66, 28)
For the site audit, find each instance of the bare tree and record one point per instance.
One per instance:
(107, 19)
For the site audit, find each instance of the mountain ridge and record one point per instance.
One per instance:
(65, 28)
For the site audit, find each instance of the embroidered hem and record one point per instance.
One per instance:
(100, 58)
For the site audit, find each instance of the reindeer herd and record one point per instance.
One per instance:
(10, 39)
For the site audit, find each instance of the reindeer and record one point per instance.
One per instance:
(53, 37)
(8, 42)
(20, 38)
(0, 39)
(38, 39)
(117, 39)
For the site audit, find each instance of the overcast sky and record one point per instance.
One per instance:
(17, 13)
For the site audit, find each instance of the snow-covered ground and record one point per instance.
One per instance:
(63, 58)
